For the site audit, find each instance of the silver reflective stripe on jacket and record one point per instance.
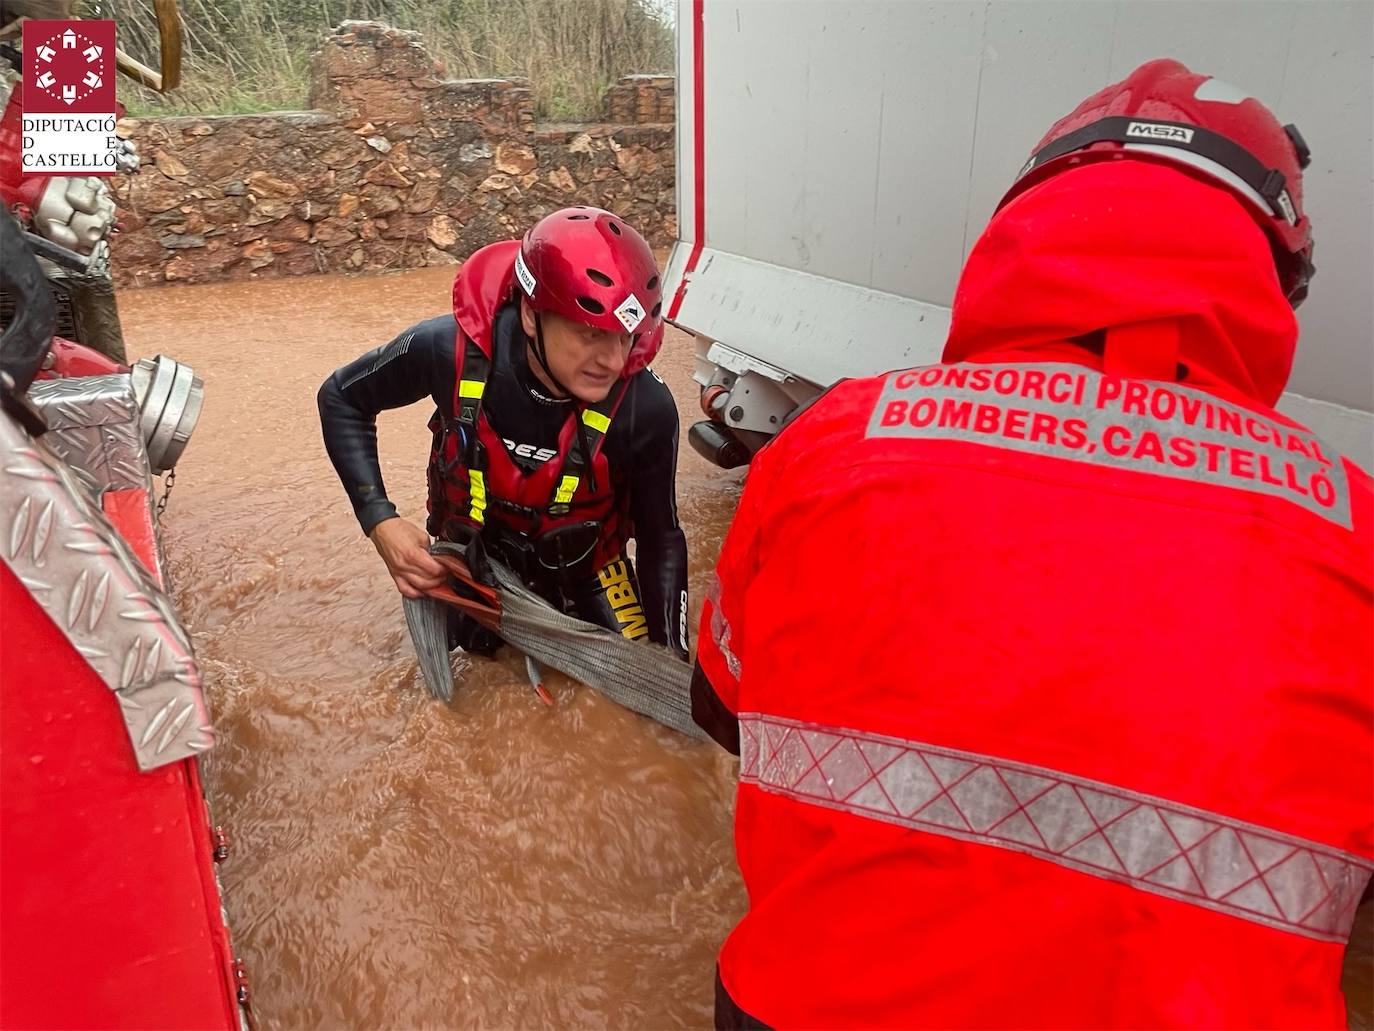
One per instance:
(720, 628)
(1152, 844)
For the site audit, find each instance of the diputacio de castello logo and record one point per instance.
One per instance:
(69, 109)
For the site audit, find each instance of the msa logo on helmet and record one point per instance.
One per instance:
(630, 313)
(538, 454)
(1286, 208)
(1158, 131)
(523, 273)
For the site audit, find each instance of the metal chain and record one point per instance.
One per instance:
(167, 485)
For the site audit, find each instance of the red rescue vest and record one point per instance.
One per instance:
(473, 481)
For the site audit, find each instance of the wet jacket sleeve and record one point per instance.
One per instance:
(419, 363)
(660, 546)
(722, 636)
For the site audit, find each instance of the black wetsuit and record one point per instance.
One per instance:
(640, 448)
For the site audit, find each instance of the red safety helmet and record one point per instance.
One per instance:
(1164, 112)
(591, 266)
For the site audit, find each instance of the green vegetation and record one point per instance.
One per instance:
(254, 55)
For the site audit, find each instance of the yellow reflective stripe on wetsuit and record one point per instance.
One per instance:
(568, 483)
(477, 491)
(477, 484)
(567, 487)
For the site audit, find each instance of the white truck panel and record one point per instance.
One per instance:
(854, 149)
(829, 328)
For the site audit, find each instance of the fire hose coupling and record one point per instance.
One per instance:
(170, 397)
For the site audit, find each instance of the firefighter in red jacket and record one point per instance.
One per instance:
(1097, 749)
(553, 441)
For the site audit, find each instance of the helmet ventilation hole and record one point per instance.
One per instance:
(592, 305)
(652, 284)
(614, 228)
(578, 218)
(657, 308)
(599, 278)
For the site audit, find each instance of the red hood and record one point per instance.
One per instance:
(484, 283)
(1144, 252)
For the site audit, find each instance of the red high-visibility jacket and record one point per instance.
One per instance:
(1051, 664)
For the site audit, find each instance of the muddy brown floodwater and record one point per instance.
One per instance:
(399, 863)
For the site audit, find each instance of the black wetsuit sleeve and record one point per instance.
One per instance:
(419, 363)
(711, 714)
(660, 546)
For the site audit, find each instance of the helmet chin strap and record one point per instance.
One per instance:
(542, 359)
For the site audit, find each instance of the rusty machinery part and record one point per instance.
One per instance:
(170, 396)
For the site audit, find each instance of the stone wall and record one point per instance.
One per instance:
(639, 100)
(397, 168)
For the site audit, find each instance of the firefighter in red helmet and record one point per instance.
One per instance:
(553, 441)
(1097, 752)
